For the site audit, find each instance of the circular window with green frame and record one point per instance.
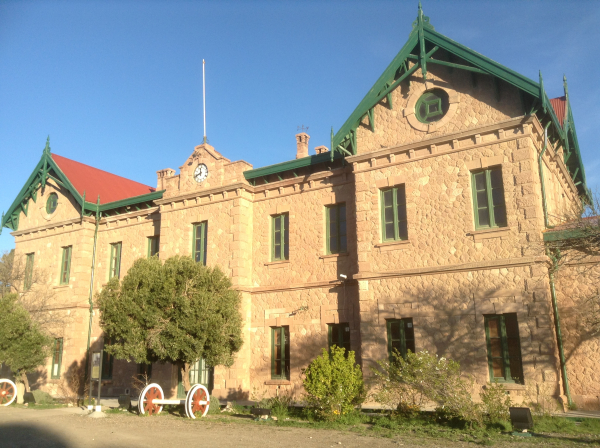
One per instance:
(51, 203)
(432, 106)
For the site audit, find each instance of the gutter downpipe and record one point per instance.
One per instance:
(87, 356)
(561, 352)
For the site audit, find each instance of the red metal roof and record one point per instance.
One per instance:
(559, 105)
(96, 182)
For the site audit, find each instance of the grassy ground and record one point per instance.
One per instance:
(548, 430)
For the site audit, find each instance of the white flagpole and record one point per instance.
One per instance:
(204, 99)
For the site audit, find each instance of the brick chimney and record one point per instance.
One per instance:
(321, 149)
(302, 145)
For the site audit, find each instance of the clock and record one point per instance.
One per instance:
(200, 173)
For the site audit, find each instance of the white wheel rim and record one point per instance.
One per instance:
(5, 386)
(142, 398)
(189, 401)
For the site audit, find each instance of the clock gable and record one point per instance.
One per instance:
(204, 169)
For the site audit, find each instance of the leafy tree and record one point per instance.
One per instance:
(334, 383)
(23, 346)
(179, 312)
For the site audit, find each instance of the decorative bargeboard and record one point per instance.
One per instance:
(152, 400)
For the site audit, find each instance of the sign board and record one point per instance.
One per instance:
(96, 358)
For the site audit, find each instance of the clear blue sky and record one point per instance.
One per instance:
(118, 84)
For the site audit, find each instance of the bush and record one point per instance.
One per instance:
(496, 402)
(333, 384)
(407, 384)
(42, 397)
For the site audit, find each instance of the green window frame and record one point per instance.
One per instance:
(400, 336)
(393, 214)
(339, 334)
(504, 348)
(57, 352)
(280, 353)
(488, 189)
(280, 237)
(65, 265)
(52, 203)
(337, 241)
(107, 362)
(200, 233)
(28, 278)
(432, 106)
(115, 260)
(153, 246)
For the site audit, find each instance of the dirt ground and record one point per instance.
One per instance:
(70, 427)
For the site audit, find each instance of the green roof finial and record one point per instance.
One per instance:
(565, 86)
(47, 148)
(422, 19)
(542, 93)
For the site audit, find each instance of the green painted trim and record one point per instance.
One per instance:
(283, 237)
(65, 268)
(311, 160)
(283, 350)
(28, 271)
(115, 260)
(132, 201)
(561, 352)
(200, 232)
(58, 362)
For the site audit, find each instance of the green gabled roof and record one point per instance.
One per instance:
(423, 42)
(46, 169)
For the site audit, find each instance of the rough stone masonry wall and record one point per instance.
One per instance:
(309, 279)
(576, 284)
(503, 270)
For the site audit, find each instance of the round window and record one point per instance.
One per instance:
(432, 106)
(51, 203)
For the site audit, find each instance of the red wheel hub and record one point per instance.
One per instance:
(149, 406)
(199, 396)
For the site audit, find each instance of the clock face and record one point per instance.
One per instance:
(200, 173)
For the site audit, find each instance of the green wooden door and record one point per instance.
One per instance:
(200, 373)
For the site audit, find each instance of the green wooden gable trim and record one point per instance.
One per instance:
(46, 169)
(418, 53)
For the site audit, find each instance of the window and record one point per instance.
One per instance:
(432, 106)
(153, 246)
(336, 229)
(280, 237)
(280, 353)
(65, 266)
(145, 370)
(339, 334)
(488, 198)
(504, 348)
(393, 214)
(27, 281)
(199, 247)
(401, 336)
(56, 358)
(115, 260)
(51, 203)
(107, 362)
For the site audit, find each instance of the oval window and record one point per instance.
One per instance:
(51, 203)
(432, 106)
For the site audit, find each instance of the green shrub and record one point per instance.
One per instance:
(215, 406)
(407, 384)
(496, 402)
(333, 384)
(42, 397)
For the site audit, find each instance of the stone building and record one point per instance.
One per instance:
(419, 228)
